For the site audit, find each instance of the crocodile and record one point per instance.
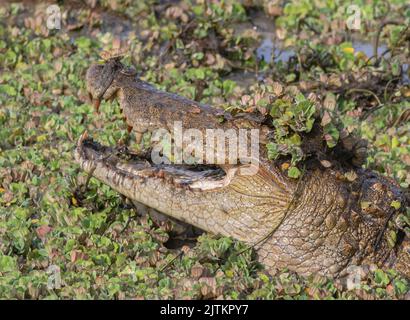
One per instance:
(316, 224)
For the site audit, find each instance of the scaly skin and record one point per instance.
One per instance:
(315, 225)
(146, 108)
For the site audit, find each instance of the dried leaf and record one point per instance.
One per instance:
(325, 163)
(76, 255)
(197, 270)
(330, 101)
(277, 88)
(351, 176)
(285, 166)
(326, 119)
(43, 231)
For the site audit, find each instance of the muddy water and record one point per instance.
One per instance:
(268, 51)
(271, 49)
(406, 73)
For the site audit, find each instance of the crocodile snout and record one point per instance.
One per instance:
(100, 82)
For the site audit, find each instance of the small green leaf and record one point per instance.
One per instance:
(392, 238)
(7, 263)
(381, 278)
(294, 172)
(9, 90)
(83, 42)
(290, 77)
(395, 204)
(198, 55)
(401, 286)
(228, 86)
(295, 139)
(264, 277)
(273, 152)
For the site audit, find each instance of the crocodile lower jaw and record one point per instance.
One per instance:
(90, 155)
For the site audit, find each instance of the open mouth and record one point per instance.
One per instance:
(91, 154)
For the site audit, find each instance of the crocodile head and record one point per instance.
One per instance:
(100, 80)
